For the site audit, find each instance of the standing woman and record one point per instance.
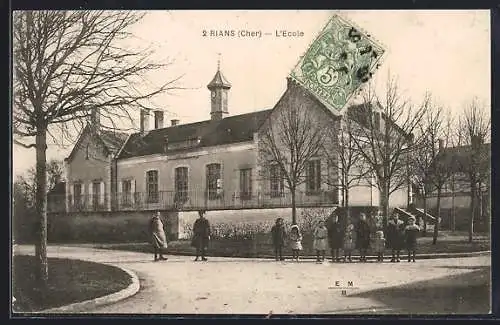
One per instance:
(201, 235)
(335, 237)
(362, 237)
(159, 240)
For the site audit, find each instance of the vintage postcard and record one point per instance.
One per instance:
(251, 162)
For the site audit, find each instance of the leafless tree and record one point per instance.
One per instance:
(345, 158)
(473, 131)
(55, 174)
(385, 137)
(66, 64)
(289, 139)
(429, 164)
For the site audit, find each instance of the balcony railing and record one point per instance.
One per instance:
(195, 200)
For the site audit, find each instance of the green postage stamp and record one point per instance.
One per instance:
(338, 61)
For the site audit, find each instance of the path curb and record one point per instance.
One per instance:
(387, 256)
(131, 290)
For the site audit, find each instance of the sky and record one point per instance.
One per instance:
(444, 52)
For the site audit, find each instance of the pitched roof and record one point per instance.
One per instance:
(112, 140)
(458, 158)
(219, 81)
(232, 129)
(361, 112)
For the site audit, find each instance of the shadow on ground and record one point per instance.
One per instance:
(467, 293)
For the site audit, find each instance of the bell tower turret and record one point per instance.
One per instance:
(219, 89)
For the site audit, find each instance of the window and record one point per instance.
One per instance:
(245, 183)
(313, 177)
(214, 181)
(77, 193)
(152, 186)
(181, 183)
(96, 194)
(127, 192)
(277, 181)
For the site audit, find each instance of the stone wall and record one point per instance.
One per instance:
(107, 227)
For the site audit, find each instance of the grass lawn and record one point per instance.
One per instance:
(70, 281)
(446, 243)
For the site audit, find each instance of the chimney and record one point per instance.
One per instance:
(144, 121)
(174, 122)
(95, 121)
(441, 144)
(165, 144)
(158, 119)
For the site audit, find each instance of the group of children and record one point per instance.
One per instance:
(398, 236)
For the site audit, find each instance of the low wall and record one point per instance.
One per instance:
(133, 226)
(107, 227)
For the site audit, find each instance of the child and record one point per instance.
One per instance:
(411, 233)
(379, 245)
(295, 242)
(278, 234)
(395, 236)
(320, 243)
(349, 242)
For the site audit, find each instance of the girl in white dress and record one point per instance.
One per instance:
(295, 242)
(320, 243)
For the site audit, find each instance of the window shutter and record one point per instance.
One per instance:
(132, 189)
(220, 182)
(72, 193)
(90, 196)
(318, 171)
(120, 191)
(101, 196)
(250, 180)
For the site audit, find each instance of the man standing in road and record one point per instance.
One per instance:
(201, 235)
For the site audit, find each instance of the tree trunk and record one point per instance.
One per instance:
(472, 210)
(438, 216)
(425, 215)
(346, 205)
(41, 209)
(384, 202)
(294, 208)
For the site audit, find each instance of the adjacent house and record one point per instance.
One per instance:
(456, 193)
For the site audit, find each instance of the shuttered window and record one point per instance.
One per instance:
(313, 177)
(246, 184)
(152, 186)
(214, 181)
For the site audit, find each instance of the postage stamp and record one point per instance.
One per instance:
(272, 163)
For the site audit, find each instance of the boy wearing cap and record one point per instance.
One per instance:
(411, 233)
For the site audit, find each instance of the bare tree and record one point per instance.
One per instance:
(473, 131)
(66, 65)
(385, 137)
(289, 139)
(55, 174)
(345, 158)
(430, 165)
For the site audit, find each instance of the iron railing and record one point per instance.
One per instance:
(191, 200)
